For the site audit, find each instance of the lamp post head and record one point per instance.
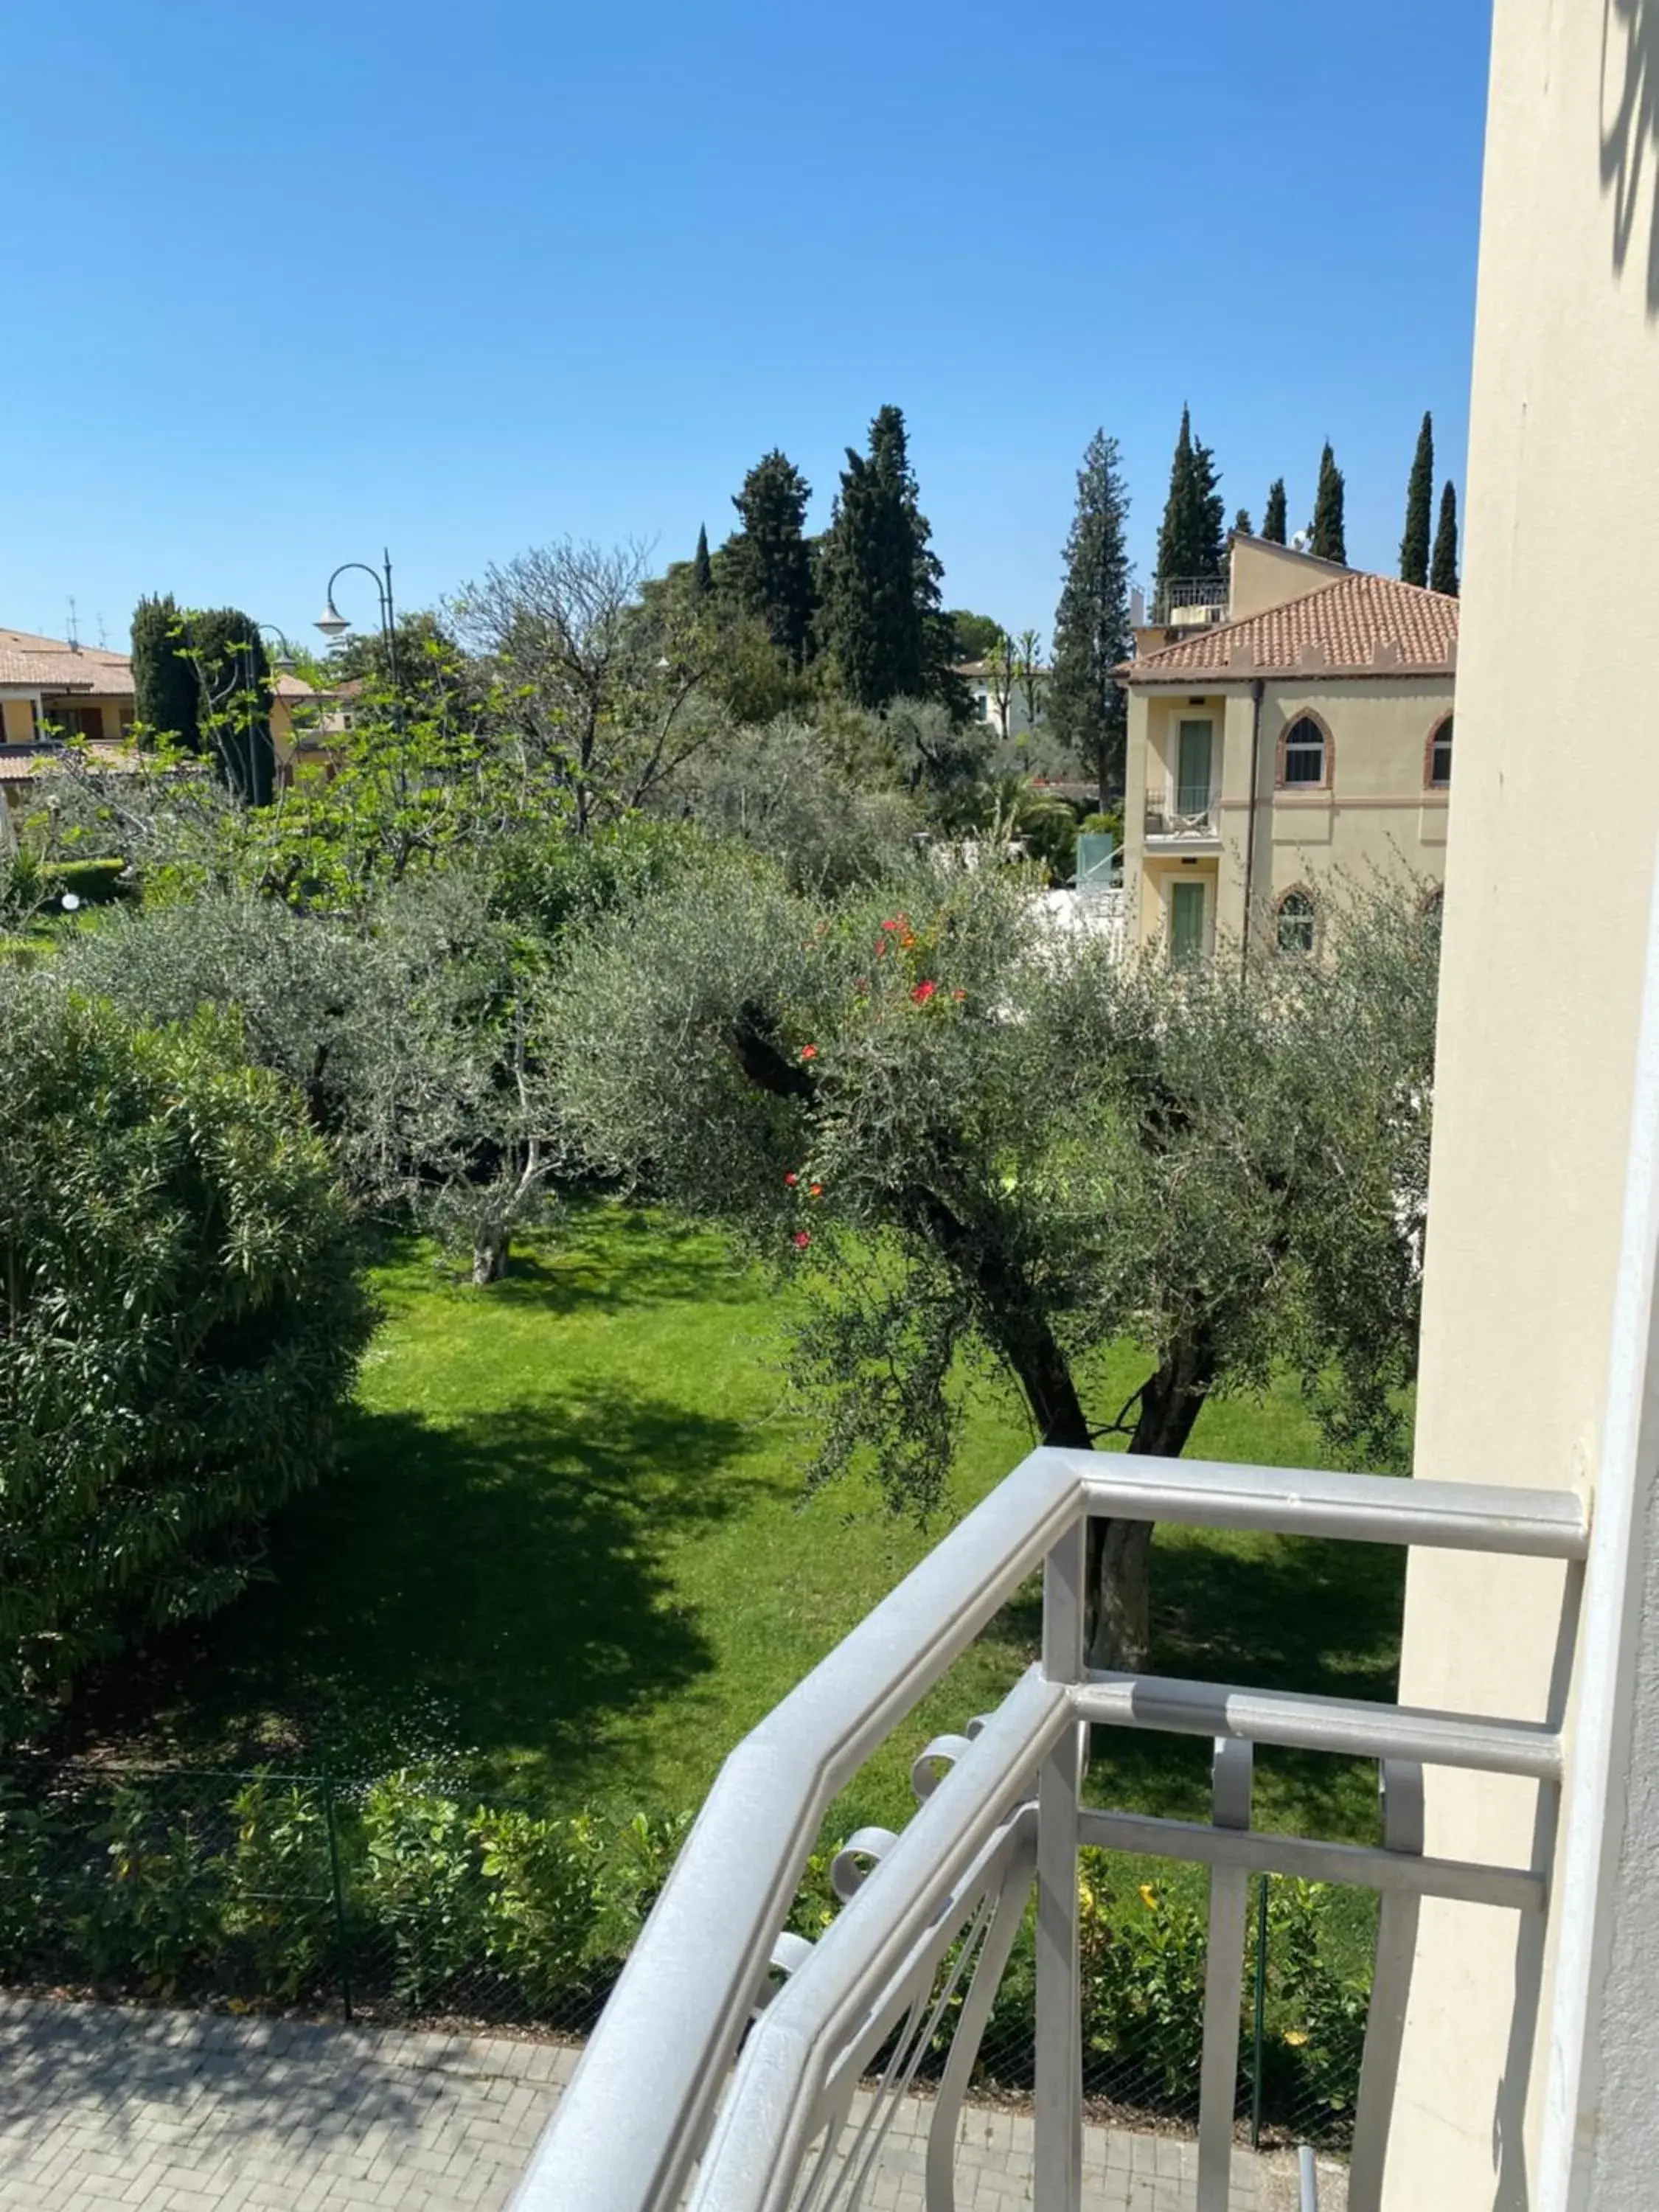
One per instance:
(331, 622)
(285, 663)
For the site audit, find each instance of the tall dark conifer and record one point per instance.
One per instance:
(1242, 523)
(767, 563)
(1190, 542)
(1092, 625)
(703, 569)
(1329, 538)
(1273, 515)
(1443, 569)
(166, 695)
(1420, 508)
(884, 616)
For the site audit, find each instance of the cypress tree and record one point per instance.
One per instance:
(884, 614)
(166, 694)
(1190, 537)
(1442, 569)
(233, 678)
(1241, 522)
(768, 562)
(703, 572)
(1273, 515)
(1420, 501)
(1329, 542)
(1086, 709)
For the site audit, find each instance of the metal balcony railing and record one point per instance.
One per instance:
(1182, 814)
(1190, 602)
(658, 2109)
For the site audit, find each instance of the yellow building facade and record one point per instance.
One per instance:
(1304, 740)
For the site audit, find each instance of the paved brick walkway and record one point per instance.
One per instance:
(104, 2110)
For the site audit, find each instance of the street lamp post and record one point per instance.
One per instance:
(332, 623)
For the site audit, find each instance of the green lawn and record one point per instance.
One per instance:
(568, 1549)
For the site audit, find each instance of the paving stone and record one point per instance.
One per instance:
(114, 2109)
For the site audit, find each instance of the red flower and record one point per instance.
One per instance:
(792, 1179)
(923, 992)
(815, 1190)
(801, 1239)
(809, 1052)
(890, 925)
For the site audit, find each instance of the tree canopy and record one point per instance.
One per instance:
(978, 1145)
(1327, 539)
(766, 564)
(1419, 506)
(1273, 515)
(883, 617)
(1190, 539)
(1091, 623)
(1443, 569)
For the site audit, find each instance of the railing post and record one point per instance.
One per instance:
(1401, 1784)
(1223, 1979)
(1258, 2025)
(1058, 2126)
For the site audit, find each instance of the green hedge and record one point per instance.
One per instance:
(408, 1901)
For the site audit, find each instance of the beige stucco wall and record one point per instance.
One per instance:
(1259, 576)
(1539, 1000)
(1377, 818)
(16, 722)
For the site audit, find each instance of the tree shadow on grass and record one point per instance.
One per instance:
(496, 1587)
(602, 1258)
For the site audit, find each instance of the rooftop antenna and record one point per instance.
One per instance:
(103, 635)
(74, 639)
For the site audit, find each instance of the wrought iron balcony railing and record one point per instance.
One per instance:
(659, 2114)
(1190, 602)
(1185, 814)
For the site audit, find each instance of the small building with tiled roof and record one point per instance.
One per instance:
(53, 690)
(1296, 729)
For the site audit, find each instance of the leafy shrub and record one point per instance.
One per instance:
(156, 1915)
(541, 1904)
(25, 1878)
(95, 883)
(421, 1887)
(180, 1313)
(278, 1899)
(1142, 1967)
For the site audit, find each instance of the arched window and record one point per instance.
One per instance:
(1305, 754)
(1440, 750)
(1297, 923)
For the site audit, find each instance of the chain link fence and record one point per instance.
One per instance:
(397, 1900)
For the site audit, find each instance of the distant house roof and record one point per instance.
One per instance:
(1361, 625)
(53, 664)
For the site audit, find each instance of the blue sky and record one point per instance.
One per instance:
(289, 283)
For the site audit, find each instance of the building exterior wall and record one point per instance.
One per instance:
(1377, 816)
(1539, 1006)
(16, 722)
(1261, 576)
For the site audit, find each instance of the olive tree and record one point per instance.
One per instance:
(973, 1136)
(408, 1029)
(180, 1313)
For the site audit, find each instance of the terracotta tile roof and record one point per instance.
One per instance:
(51, 663)
(1361, 625)
(41, 672)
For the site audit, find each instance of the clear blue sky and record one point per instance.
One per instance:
(291, 282)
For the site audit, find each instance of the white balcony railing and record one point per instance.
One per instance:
(658, 2109)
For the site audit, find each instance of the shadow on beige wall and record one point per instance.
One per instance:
(1630, 128)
